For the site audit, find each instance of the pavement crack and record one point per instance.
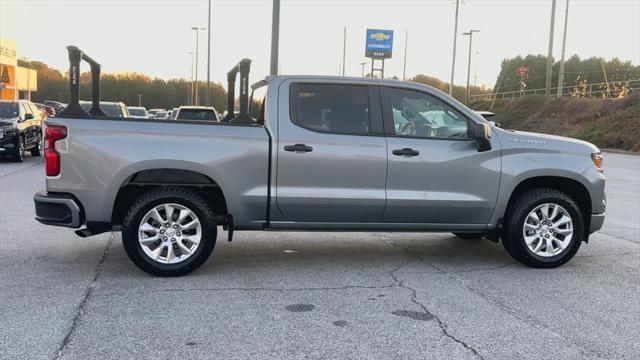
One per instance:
(80, 309)
(283, 290)
(495, 302)
(444, 329)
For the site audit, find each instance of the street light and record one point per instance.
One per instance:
(363, 64)
(470, 34)
(208, 101)
(453, 59)
(197, 30)
(191, 79)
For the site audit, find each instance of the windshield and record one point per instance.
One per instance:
(197, 114)
(137, 112)
(9, 110)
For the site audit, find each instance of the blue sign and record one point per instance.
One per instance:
(379, 43)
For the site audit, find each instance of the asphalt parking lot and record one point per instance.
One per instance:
(318, 295)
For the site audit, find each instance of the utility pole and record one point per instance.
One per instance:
(404, 66)
(139, 99)
(453, 60)
(363, 64)
(191, 80)
(470, 34)
(547, 88)
(195, 97)
(564, 41)
(344, 49)
(208, 100)
(275, 37)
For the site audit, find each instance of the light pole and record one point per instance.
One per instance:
(139, 99)
(195, 97)
(547, 86)
(363, 64)
(208, 100)
(404, 65)
(275, 37)
(470, 34)
(191, 80)
(453, 60)
(344, 49)
(564, 41)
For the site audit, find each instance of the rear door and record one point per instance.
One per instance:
(332, 154)
(435, 174)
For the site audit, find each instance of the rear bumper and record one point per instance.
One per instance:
(58, 209)
(596, 222)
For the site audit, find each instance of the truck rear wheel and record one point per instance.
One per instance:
(543, 228)
(169, 231)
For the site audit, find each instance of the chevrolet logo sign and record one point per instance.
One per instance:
(379, 36)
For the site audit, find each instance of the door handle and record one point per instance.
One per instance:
(298, 148)
(406, 152)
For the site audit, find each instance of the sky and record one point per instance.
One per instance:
(155, 37)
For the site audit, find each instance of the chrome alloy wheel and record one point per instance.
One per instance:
(169, 233)
(548, 230)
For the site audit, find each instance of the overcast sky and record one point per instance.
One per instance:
(154, 36)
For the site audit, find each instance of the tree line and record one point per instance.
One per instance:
(159, 93)
(578, 72)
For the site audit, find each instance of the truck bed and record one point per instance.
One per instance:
(100, 155)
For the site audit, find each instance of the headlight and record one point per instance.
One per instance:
(597, 160)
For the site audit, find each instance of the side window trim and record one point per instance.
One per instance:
(387, 114)
(375, 117)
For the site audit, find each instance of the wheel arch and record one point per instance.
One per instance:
(570, 186)
(151, 178)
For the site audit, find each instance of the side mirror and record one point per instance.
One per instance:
(28, 117)
(482, 135)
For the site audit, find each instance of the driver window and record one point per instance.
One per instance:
(417, 114)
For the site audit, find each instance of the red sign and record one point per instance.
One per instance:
(522, 71)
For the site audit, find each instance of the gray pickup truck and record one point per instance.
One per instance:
(325, 154)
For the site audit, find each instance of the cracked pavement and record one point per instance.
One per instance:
(318, 295)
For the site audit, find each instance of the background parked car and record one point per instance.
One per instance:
(46, 108)
(174, 113)
(160, 115)
(489, 116)
(112, 109)
(137, 111)
(58, 106)
(197, 113)
(20, 129)
(152, 113)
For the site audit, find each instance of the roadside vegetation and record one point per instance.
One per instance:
(608, 123)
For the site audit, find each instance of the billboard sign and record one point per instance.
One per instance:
(379, 44)
(523, 71)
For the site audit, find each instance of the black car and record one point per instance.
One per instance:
(20, 129)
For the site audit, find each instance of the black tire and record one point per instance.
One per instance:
(469, 236)
(512, 235)
(18, 154)
(37, 149)
(153, 198)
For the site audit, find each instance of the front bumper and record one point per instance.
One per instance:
(596, 222)
(58, 209)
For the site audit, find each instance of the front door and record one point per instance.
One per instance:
(332, 154)
(435, 173)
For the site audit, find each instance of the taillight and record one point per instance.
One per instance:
(52, 134)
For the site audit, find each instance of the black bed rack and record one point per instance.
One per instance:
(73, 108)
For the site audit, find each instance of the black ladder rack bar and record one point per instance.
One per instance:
(74, 108)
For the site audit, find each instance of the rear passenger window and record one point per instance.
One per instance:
(338, 109)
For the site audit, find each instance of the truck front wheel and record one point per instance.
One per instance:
(543, 228)
(169, 231)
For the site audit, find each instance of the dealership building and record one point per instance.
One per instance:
(16, 82)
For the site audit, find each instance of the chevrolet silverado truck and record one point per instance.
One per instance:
(324, 154)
